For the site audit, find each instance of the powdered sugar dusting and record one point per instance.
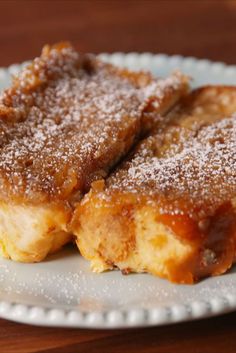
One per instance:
(70, 284)
(65, 121)
(202, 171)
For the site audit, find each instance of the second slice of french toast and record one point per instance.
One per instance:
(170, 208)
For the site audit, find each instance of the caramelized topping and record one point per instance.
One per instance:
(65, 121)
(173, 199)
(189, 171)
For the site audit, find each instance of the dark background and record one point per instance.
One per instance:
(205, 29)
(196, 28)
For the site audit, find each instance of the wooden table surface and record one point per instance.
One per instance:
(205, 29)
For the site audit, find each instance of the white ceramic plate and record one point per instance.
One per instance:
(62, 291)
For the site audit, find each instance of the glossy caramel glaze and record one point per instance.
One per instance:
(67, 119)
(190, 164)
(178, 186)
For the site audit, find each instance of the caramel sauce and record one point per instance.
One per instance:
(67, 119)
(189, 179)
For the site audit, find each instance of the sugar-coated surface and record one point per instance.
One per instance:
(189, 166)
(66, 120)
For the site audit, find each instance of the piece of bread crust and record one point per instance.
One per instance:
(170, 208)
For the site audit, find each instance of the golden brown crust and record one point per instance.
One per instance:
(64, 122)
(177, 195)
(191, 160)
(68, 118)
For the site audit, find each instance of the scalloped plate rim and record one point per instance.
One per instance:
(47, 316)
